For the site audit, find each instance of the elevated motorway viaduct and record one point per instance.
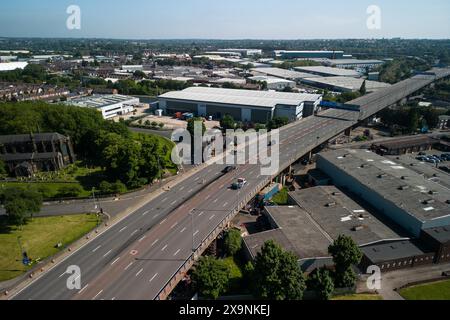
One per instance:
(145, 255)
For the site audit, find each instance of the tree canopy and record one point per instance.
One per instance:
(227, 122)
(277, 122)
(322, 283)
(211, 277)
(346, 254)
(233, 242)
(20, 204)
(277, 275)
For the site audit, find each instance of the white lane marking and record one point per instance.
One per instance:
(165, 247)
(196, 232)
(115, 261)
(153, 278)
(176, 253)
(83, 288)
(142, 239)
(107, 253)
(145, 213)
(212, 217)
(156, 216)
(162, 222)
(225, 204)
(184, 229)
(154, 242)
(123, 229)
(182, 188)
(134, 232)
(215, 201)
(201, 213)
(139, 272)
(196, 179)
(164, 200)
(174, 225)
(173, 202)
(128, 266)
(100, 292)
(61, 275)
(221, 186)
(190, 190)
(97, 248)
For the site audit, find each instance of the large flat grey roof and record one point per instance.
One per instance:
(283, 73)
(415, 194)
(264, 99)
(300, 229)
(441, 234)
(347, 83)
(99, 101)
(329, 71)
(337, 214)
(392, 251)
(255, 241)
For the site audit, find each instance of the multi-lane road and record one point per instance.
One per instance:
(140, 255)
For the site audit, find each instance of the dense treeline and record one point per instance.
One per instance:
(135, 160)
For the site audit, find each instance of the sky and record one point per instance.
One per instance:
(226, 19)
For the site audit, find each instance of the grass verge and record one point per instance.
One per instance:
(432, 291)
(39, 238)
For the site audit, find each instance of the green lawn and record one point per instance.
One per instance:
(39, 238)
(358, 297)
(281, 198)
(432, 291)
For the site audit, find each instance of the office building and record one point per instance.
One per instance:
(109, 105)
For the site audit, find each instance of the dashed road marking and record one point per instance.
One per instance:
(96, 248)
(165, 247)
(128, 266)
(83, 288)
(107, 253)
(134, 232)
(174, 225)
(142, 239)
(176, 253)
(115, 261)
(162, 222)
(212, 217)
(100, 292)
(184, 229)
(154, 242)
(153, 278)
(196, 232)
(139, 272)
(123, 229)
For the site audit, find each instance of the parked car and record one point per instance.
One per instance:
(228, 169)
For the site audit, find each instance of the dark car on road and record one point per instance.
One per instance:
(229, 169)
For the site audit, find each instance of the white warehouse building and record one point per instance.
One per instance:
(242, 105)
(109, 105)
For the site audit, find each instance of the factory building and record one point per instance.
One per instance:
(439, 240)
(404, 196)
(242, 105)
(352, 63)
(288, 55)
(109, 105)
(344, 84)
(329, 71)
(10, 66)
(245, 52)
(274, 83)
(282, 74)
(318, 216)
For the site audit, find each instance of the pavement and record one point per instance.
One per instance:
(398, 279)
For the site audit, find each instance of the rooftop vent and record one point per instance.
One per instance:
(433, 193)
(331, 204)
(336, 193)
(404, 178)
(405, 187)
(429, 201)
(358, 228)
(383, 175)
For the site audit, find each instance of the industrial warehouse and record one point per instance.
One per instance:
(243, 105)
(399, 217)
(109, 105)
